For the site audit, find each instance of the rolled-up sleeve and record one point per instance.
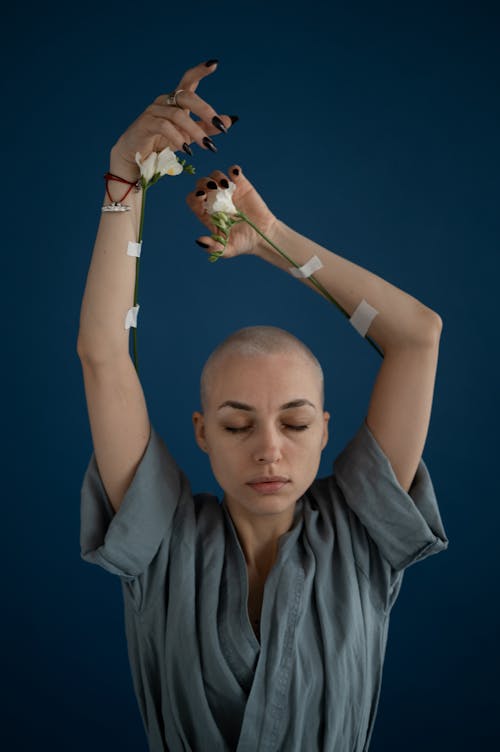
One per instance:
(406, 527)
(125, 543)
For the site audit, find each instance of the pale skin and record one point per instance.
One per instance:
(263, 420)
(399, 410)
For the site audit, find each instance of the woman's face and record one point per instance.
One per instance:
(263, 420)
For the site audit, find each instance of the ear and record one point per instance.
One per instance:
(324, 441)
(199, 430)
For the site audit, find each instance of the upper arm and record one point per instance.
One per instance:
(400, 405)
(119, 422)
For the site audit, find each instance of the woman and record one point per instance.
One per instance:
(257, 623)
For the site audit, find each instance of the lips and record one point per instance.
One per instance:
(268, 484)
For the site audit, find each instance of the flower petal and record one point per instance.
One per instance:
(173, 168)
(168, 164)
(221, 200)
(149, 166)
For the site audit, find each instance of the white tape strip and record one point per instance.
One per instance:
(131, 317)
(363, 317)
(134, 249)
(309, 268)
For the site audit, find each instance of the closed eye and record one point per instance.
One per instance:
(231, 429)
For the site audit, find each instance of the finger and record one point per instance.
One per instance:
(220, 178)
(189, 101)
(208, 243)
(206, 184)
(174, 137)
(243, 185)
(193, 76)
(188, 129)
(227, 120)
(197, 200)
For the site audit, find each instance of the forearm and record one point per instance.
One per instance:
(401, 318)
(109, 289)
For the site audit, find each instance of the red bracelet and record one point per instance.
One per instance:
(109, 176)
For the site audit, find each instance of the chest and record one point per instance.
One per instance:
(255, 598)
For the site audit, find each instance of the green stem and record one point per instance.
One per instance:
(312, 279)
(136, 288)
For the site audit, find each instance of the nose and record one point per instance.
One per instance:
(267, 448)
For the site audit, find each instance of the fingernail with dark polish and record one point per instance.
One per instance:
(187, 149)
(224, 183)
(209, 144)
(219, 124)
(234, 118)
(236, 171)
(211, 62)
(203, 245)
(212, 184)
(200, 193)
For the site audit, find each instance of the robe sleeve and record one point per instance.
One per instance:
(134, 542)
(406, 527)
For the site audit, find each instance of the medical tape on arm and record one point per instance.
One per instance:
(363, 317)
(134, 249)
(131, 317)
(307, 269)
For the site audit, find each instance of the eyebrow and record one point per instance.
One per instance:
(249, 408)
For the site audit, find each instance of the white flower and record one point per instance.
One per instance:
(165, 163)
(148, 166)
(221, 200)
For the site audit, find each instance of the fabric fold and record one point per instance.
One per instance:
(126, 542)
(405, 526)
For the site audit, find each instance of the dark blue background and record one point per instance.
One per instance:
(373, 129)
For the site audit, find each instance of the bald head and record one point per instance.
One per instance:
(256, 341)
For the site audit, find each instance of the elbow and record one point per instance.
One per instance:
(436, 325)
(422, 329)
(91, 353)
(82, 348)
(79, 347)
(439, 322)
(426, 328)
(431, 327)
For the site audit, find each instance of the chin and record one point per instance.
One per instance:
(270, 504)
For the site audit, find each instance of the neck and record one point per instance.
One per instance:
(259, 537)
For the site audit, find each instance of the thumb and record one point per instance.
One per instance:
(242, 184)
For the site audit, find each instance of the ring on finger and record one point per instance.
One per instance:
(172, 98)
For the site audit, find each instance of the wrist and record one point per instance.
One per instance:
(273, 231)
(122, 167)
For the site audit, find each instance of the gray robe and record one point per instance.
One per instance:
(202, 679)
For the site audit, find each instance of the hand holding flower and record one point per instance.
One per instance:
(146, 150)
(162, 125)
(226, 195)
(241, 222)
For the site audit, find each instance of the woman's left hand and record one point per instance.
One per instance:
(242, 238)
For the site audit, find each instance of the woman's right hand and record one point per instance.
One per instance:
(162, 125)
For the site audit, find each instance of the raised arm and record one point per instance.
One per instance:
(400, 405)
(406, 329)
(116, 404)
